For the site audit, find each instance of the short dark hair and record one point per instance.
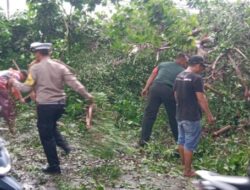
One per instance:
(181, 55)
(44, 52)
(24, 73)
(196, 60)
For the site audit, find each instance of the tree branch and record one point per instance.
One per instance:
(244, 123)
(240, 52)
(209, 87)
(238, 72)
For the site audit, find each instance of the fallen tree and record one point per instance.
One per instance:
(223, 130)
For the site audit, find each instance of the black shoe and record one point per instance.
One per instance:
(66, 150)
(142, 144)
(52, 170)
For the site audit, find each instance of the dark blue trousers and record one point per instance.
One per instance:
(159, 94)
(50, 137)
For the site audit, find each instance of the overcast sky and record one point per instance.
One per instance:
(20, 5)
(15, 5)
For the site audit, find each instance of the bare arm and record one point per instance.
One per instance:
(149, 83)
(27, 86)
(23, 87)
(204, 106)
(17, 94)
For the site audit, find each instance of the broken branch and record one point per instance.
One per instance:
(238, 72)
(221, 131)
(216, 60)
(17, 67)
(89, 116)
(240, 52)
(209, 87)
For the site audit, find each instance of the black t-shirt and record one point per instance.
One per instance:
(186, 86)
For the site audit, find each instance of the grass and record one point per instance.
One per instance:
(104, 173)
(63, 185)
(106, 157)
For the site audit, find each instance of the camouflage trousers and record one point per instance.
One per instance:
(7, 109)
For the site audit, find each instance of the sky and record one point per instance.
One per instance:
(20, 5)
(15, 5)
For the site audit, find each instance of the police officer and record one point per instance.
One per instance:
(47, 79)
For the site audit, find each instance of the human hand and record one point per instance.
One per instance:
(22, 100)
(144, 92)
(90, 99)
(210, 119)
(11, 82)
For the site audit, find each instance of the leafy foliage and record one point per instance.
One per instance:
(154, 23)
(113, 55)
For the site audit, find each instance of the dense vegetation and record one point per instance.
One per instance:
(114, 54)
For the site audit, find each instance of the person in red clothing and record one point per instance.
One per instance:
(7, 96)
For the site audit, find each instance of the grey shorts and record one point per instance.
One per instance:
(189, 134)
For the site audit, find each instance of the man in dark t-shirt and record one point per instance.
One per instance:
(190, 99)
(159, 89)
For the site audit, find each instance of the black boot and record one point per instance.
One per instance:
(62, 143)
(142, 143)
(52, 170)
(66, 149)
